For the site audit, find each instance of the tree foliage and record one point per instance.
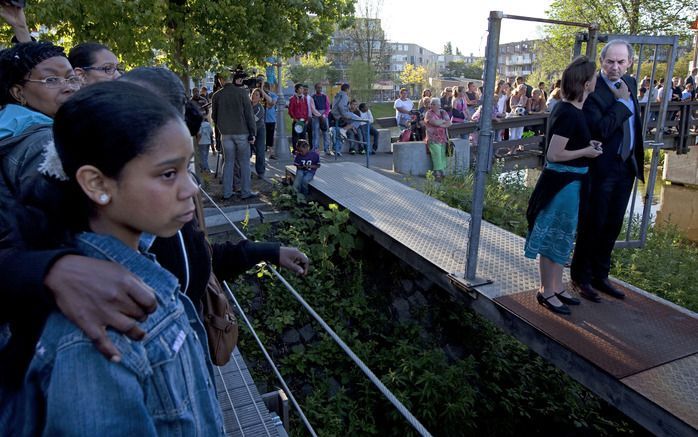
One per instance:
(312, 69)
(448, 48)
(364, 40)
(193, 36)
(361, 77)
(461, 69)
(413, 75)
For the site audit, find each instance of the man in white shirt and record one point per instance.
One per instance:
(403, 106)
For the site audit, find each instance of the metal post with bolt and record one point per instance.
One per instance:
(281, 150)
(484, 150)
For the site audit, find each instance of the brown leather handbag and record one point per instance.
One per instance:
(219, 320)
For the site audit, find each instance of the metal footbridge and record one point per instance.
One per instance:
(640, 354)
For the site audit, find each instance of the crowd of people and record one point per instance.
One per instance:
(106, 265)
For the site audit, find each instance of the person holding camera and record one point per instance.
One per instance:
(232, 114)
(298, 110)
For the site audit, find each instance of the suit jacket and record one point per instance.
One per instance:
(605, 117)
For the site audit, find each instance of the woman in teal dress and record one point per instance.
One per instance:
(554, 205)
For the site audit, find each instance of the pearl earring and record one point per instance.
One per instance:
(103, 198)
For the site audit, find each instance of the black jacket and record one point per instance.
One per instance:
(605, 117)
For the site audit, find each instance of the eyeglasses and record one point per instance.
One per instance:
(108, 69)
(58, 82)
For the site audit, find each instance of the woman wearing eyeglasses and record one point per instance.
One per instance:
(35, 80)
(94, 63)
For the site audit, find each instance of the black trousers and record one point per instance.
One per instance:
(270, 136)
(295, 136)
(602, 221)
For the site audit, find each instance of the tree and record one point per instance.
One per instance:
(312, 69)
(365, 38)
(639, 17)
(461, 69)
(413, 76)
(448, 48)
(361, 77)
(194, 36)
(458, 52)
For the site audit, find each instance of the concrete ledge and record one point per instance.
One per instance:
(459, 163)
(216, 222)
(681, 169)
(411, 158)
(384, 141)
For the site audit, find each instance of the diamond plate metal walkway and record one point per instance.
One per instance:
(244, 412)
(652, 379)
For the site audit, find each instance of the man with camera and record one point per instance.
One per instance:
(232, 113)
(298, 110)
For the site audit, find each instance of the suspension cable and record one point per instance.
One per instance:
(270, 361)
(364, 368)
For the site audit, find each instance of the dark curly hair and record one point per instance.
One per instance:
(17, 61)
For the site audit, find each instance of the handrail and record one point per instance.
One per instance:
(683, 123)
(416, 424)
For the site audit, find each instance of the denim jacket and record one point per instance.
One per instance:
(161, 386)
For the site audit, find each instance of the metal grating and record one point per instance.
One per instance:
(623, 337)
(668, 385)
(427, 226)
(244, 412)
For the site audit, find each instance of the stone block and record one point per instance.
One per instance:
(411, 158)
(384, 141)
(459, 163)
(681, 169)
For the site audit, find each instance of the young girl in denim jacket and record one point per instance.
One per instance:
(127, 170)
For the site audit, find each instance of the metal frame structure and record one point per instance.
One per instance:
(485, 150)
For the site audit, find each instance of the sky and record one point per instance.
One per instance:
(463, 22)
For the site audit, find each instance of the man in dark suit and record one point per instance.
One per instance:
(613, 116)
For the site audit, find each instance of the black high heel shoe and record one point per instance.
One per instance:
(562, 309)
(567, 300)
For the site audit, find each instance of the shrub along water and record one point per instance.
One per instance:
(454, 370)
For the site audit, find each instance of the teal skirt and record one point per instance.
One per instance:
(555, 228)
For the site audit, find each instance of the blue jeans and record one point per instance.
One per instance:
(337, 141)
(303, 178)
(203, 155)
(236, 149)
(319, 122)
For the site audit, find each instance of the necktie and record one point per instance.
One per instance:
(624, 151)
(625, 145)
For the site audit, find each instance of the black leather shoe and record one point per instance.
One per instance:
(562, 309)
(567, 300)
(605, 286)
(587, 292)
